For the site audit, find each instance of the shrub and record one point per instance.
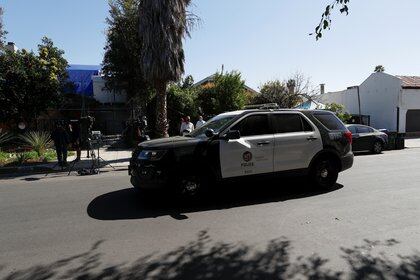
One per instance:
(339, 110)
(38, 140)
(5, 137)
(225, 93)
(21, 158)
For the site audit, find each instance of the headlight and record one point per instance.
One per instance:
(151, 155)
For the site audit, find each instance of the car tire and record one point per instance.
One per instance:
(377, 147)
(324, 173)
(135, 182)
(189, 187)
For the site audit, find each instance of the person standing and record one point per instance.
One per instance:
(200, 122)
(187, 126)
(61, 139)
(75, 139)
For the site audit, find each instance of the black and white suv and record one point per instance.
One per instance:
(246, 143)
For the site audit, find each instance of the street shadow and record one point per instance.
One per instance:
(130, 204)
(203, 258)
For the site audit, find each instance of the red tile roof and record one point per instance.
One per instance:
(410, 81)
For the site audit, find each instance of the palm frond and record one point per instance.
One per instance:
(38, 140)
(5, 137)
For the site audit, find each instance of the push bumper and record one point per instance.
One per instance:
(347, 161)
(147, 177)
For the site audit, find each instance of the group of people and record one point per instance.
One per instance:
(64, 137)
(187, 126)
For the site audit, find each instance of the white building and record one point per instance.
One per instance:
(103, 95)
(392, 102)
(11, 47)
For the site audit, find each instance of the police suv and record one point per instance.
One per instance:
(244, 144)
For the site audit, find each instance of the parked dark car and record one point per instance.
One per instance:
(366, 138)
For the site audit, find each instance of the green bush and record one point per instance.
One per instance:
(5, 137)
(39, 141)
(51, 155)
(4, 157)
(225, 93)
(21, 158)
(339, 110)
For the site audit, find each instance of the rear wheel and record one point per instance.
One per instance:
(324, 173)
(377, 147)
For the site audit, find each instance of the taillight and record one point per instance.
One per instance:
(348, 136)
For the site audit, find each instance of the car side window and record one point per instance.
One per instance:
(306, 125)
(363, 129)
(287, 123)
(352, 129)
(253, 125)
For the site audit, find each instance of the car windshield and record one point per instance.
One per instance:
(216, 123)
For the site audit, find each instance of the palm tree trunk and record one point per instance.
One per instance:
(161, 110)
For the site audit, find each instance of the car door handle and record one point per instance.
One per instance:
(311, 138)
(263, 143)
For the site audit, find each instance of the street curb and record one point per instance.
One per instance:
(8, 172)
(21, 170)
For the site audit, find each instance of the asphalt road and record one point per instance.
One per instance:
(96, 226)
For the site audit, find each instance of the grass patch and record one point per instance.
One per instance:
(29, 157)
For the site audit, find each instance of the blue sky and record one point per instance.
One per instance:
(264, 39)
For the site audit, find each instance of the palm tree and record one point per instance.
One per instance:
(379, 69)
(163, 24)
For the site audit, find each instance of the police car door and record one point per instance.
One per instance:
(296, 141)
(252, 153)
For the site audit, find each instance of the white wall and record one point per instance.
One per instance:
(410, 100)
(379, 98)
(103, 95)
(347, 97)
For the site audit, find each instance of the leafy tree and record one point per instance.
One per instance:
(122, 66)
(163, 25)
(339, 110)
(182, 101)
(225, 93)
(279, 92)
(325, 22)
(31, 83)
(2, 31)
(379, 69)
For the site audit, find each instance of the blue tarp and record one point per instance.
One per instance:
(81, 77)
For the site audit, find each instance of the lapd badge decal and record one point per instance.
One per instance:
(247, 162)
(247, 156)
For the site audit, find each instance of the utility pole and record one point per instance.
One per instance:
(360, 110)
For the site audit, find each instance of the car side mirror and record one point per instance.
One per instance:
(233, 135)
(209, 133)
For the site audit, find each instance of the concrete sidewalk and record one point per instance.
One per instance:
(119, 159)
(412, 143)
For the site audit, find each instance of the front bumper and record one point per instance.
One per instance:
(347, 161)
(147, 176)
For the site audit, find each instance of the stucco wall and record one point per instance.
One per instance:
(410, 100)
(348, 98)
(379, 98)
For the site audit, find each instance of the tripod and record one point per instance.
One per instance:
(97, 160)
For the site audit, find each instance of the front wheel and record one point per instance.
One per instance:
(377, 147)
(189, 187)
(324, 173)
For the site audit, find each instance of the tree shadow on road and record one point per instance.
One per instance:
(203, 258)
(129, 204)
